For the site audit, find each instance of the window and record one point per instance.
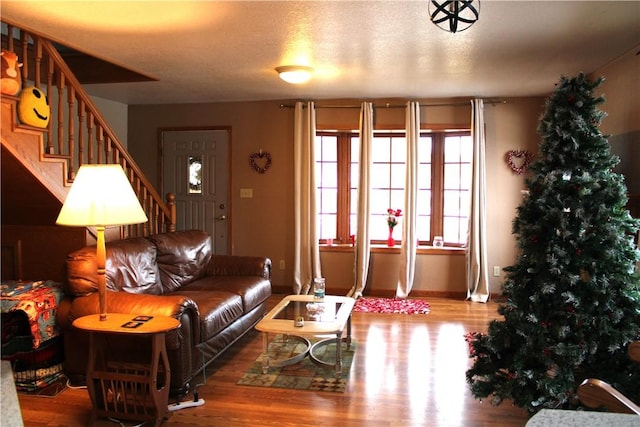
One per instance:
(444, 181)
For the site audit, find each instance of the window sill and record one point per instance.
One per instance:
(422, 250)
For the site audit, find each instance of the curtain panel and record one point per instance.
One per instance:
(362, 249)
(306, 263)
(409, 236)
(476, 262)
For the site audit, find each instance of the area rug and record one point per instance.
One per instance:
(304, 375)
(392, 305)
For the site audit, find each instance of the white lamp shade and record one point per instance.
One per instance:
(101, 195)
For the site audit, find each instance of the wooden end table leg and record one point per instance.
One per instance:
(159, 394)
(91, 367)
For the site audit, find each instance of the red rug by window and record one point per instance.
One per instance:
(392, 305)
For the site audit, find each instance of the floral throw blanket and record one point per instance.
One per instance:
(39, 301)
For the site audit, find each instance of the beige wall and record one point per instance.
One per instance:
(262, 225)
(621, 90)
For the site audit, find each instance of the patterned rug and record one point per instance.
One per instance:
(304, 375)
(392, 305)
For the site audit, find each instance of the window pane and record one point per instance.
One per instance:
(329, 175)
(397, 199)
(465, 176)
(423, 227)
(424, 176)
(451, 203)
(455, 230)
(195, 174)
(378, 229)
(381, 149)
(353, 224)
(398, 175)
(466, 149)
(328, 201)
(424, 149)
(424, 202)
(329, 150)
(380, 175)
(354, 202)
(452, 149)
(399, 149)
(452, 176)
(355, 149)
(327, 226)
(380, 202)
(355, 178)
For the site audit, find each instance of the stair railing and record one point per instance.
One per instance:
(77, 132)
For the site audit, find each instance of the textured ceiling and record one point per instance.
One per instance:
(203, 51)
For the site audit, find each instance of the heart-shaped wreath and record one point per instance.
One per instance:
(518, 160)
(264, 158)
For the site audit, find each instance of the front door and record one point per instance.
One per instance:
(195, 167)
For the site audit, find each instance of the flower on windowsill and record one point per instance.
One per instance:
(392, 217)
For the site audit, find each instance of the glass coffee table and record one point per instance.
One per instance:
(300, 316)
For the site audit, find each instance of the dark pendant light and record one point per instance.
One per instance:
(454, 15)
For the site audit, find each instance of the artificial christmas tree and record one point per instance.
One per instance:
(573, 298)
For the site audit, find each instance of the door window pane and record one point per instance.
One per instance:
(195, 174)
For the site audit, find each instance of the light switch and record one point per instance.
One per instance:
(246, 193)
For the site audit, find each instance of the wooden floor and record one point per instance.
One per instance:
(408, 370)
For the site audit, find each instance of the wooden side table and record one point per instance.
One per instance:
(124, 388)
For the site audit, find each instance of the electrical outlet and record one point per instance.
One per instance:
(281, 264)
(246, 193)
(496, 271)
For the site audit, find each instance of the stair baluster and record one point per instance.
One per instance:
(89, 140)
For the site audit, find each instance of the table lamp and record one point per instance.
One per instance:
(101, 196)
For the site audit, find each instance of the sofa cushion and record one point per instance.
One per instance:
(218, 309)
(182, 257)
(130, 267)
(252, 289)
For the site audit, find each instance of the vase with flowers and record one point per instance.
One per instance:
(392, 221)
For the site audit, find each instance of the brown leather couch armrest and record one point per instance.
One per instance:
(232, 265)
(123, 302)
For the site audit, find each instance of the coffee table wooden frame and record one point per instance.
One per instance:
(271, 325)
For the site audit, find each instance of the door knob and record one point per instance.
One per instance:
(221, 218)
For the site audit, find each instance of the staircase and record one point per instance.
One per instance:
(77, 134)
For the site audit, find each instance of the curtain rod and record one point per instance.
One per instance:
(388, 105)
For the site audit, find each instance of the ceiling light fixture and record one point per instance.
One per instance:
(454, 15)
(295, 74)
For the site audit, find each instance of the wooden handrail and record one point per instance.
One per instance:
(82, 135)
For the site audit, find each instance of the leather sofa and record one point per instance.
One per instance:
(216, 298)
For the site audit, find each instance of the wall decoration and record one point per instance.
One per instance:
(518, 160)
(33, 107)
(260, 161)
(10, 80)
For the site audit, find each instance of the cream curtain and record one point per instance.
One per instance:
(361, 268)
(477, 270)
(306, 248)
(409, 236)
